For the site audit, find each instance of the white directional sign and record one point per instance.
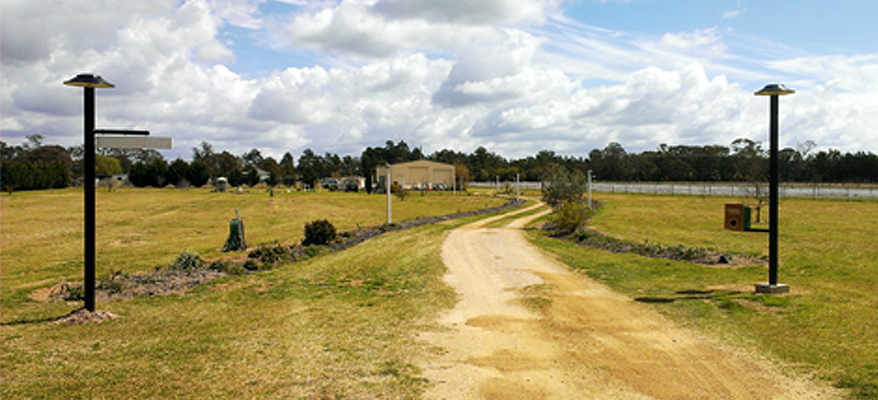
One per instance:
(134, 142)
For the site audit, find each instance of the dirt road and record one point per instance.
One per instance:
(525, 327)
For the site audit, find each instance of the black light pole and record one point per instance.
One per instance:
(89, 82)
(774, 91)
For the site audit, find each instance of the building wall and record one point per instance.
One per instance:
(417, 174)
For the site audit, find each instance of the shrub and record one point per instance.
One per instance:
(398, 191)
(110, 283)
(561, 185)
(74, 292)
(569, 217)
(251, 265)
(319, 232)
(227, 267)
(270, 255)
(187, 261)
(311, 251)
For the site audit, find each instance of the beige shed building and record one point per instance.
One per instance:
(421, 174)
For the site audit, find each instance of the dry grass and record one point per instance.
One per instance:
(335, 326)
(138, 229)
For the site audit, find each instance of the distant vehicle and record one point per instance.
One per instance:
(330, 183)
(351, 186)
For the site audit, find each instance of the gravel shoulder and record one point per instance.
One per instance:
(526, 327)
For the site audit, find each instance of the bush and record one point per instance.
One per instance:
(569, 217)
(561, 186)
(319, 232)
(251, 265)
(270, 255)
(187, 261)
(75, 292)
(227, 267)
(398, 191)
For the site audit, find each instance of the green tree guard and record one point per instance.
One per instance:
(236, 241)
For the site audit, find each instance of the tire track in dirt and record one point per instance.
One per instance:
(585, 342)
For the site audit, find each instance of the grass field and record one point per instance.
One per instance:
(342, 325)
(335, 326)
(138, 229)
(828, 325)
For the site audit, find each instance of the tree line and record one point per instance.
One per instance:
(35, 165)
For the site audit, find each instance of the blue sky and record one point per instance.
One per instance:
(515, 76)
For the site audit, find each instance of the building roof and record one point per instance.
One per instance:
(425, 163)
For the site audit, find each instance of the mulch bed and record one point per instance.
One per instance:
(695, 255)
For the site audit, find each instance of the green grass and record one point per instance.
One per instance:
(335, 326)
(827, 255)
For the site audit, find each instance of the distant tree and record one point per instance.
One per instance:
(107, 165)
(253, 157)
(461, 174)
(204, 151)
(177, 172)
(139, 175)
(350, 166)
(152, 174)
(749, 160)
(288, 169)
(310, 167)
(197, 174)
(561, 186)
(236, 177)
(484, 165)
(611, 164)
(274, 170)
(251, 176)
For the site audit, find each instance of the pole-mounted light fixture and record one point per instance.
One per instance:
(89, 82)
(774, 91)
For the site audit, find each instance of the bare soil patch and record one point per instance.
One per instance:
(83, 316)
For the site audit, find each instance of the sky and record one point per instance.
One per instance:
(513, 76)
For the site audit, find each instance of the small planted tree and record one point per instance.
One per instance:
(569, 217)
(759, 192)
(563, 190)
(319, 232)
(561, 185)
(398, 191)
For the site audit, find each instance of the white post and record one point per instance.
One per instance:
(589, 189)
(387, 186)
(453, 182)
(517, 185)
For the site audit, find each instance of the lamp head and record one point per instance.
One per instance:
(89, 80)
(774, 89)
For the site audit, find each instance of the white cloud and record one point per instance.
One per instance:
(703, 40)
(505, 12)
(733, 13)
(854, 74)
(436, 74)
(243, 13)
(353, 29)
